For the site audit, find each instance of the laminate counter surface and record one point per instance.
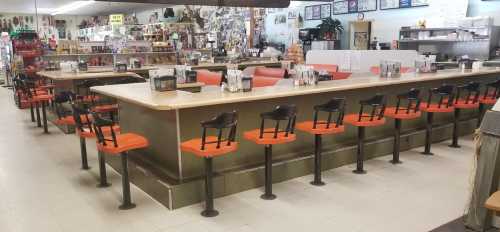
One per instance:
(142, 94)
(67, 76)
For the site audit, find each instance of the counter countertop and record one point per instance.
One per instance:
(64, 76)
(245, 63)
(141, 93)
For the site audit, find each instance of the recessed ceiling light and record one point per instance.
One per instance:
(71, 7)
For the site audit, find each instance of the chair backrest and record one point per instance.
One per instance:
(81, 111)
(270, 72)
(378, 104)
(335, 105)
(260, 81)
(99, 123)
(280, 113)
(445, 92)
(219, 123)
(472, 89)
(208, 77)
(495, 86)
(412, 98)
(59, 100)
(84, 87)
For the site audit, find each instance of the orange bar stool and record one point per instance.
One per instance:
(400, 113)
(321, 127)
(273, 136)
(363, 120)
(84, 93)
(444, 105)
(84, 130)
(38, 98)
(118, 144)
(471, 101)
(208, 147)
(489, 98)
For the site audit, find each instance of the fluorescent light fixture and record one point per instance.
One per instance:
(71, 7)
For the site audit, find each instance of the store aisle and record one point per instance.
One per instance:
(43, 189)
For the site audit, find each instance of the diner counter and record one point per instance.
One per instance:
(175, 177)
(68, 76)
(141, 93)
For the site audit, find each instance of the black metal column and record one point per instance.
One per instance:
(83, 152)
(127, 200)
(428, 133)
(268, 195)
(103, 179)
(44, 117)
(317, 161)
(482, 109)
(32, 112)
(361, 154)
(209, 193)
(38, 120)
(397, 140)
(456, 120)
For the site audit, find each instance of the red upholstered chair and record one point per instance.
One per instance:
(363, 120)
(208, 147)
(489, 98)
(209, 78)
(341, 75)
(259, 81)
(273, 136)
(318, 128)
(469, 101)
(376, 70)
(269, 72)
(443, 105)
(400, 113)
(118, 144)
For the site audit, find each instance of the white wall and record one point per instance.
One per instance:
(386, 23)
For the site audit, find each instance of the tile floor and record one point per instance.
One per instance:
(43, 189)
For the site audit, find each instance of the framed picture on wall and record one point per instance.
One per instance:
(367, 5)
(340, 7)
(419, 2)
(404, 3)
(326, 11)
(389, 4)
(308, 12)
(316, 12)
(353, 6)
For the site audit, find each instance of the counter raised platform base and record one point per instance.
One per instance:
(174, 194)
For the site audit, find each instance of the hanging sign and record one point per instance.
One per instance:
(116, 19)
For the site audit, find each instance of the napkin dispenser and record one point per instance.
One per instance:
(121, 68)
(191, 76)
(390, 69)
(83, 66)
(165, 83)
